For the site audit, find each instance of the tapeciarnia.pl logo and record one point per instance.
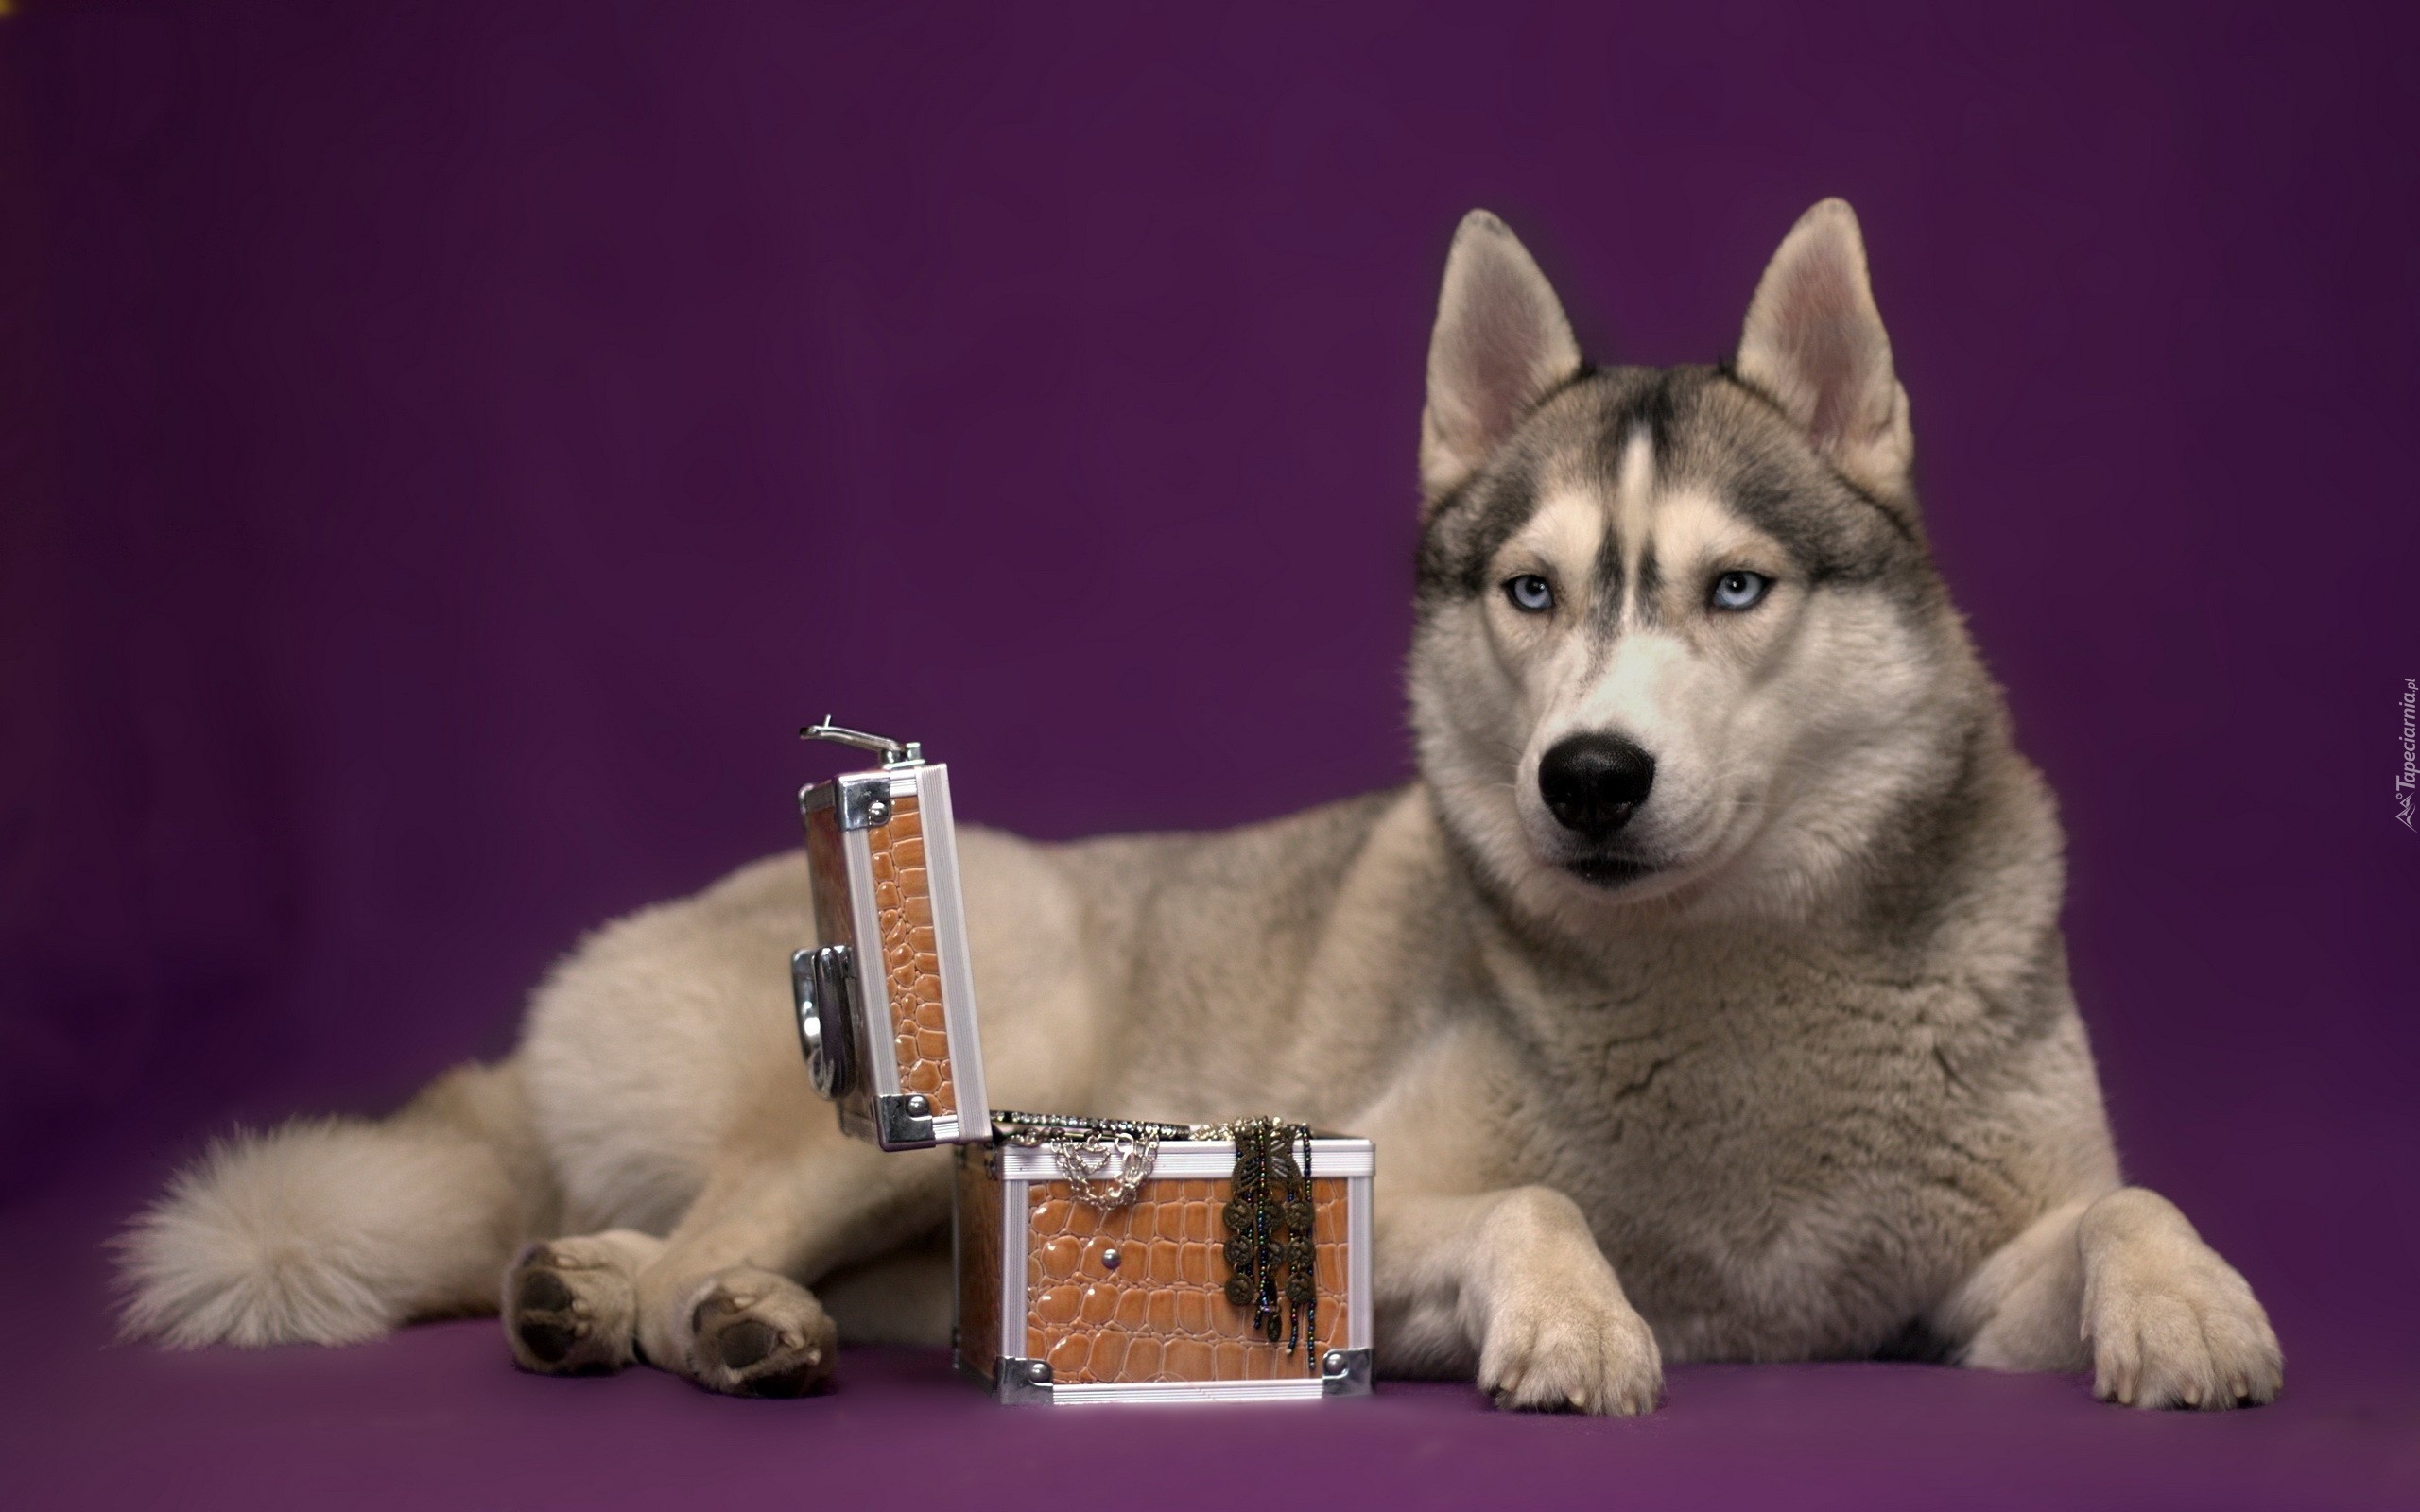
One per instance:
(2406, 778)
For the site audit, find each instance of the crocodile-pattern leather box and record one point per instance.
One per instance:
(1063, 1302)
(886, 1003)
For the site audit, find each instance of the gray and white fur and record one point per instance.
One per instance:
(1706, 994)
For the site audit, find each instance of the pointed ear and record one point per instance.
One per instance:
(1501, 344)
(1814, 344)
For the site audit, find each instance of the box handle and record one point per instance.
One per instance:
(893, 752)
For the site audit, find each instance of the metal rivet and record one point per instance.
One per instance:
(1037, 1370)
(1334, 1364)
(1109, 1259)
(918, 1104)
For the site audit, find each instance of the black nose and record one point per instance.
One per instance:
(1594, 784)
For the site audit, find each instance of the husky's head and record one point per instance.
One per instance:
(1679, 635)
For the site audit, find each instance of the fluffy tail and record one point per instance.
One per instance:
(333, 1230)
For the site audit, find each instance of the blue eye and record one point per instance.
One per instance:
(1737, 590)
(1529, 594)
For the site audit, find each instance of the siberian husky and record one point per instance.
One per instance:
(1706, 994)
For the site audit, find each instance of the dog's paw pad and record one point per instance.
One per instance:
(566, 1312)
(541, 1290)
(547, 1343)
(761, 1336)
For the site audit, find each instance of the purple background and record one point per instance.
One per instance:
(443, 455)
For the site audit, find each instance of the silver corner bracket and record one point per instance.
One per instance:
(904, 1119)
(1345, 1373)
(1022, 1382)
(865, 803)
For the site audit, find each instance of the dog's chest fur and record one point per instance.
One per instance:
(1780, 1159)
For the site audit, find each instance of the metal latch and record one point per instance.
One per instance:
(824, 985)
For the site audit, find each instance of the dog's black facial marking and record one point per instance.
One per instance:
(1654, 403)
(1468, 528)
(1608, 572)
(1766, 497)
(1648, 591)
(1653, 408)
(1633, 402)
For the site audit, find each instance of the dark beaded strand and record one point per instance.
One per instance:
(1271, 1254)
(1302, 1265)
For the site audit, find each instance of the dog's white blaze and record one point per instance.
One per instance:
(1635, 510)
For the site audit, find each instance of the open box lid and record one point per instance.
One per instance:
(886, 1001)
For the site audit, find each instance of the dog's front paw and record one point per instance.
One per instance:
(568, 1308)
(2171, 1325)
(1571, 1348)
(753, 1333)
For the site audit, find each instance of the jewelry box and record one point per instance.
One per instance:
(1097, 1262)
(1095, 1259)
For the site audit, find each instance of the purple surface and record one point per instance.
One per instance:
(442, 456)
(436, 1416)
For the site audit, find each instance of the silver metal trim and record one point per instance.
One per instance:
(903, 1120)
(865, 799)
(1023, 1383)
(959, 1017)
(1360, 1303)
(1013, 1301)
(1096, 1394)
(1345, 1373)
(1348, 1157)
